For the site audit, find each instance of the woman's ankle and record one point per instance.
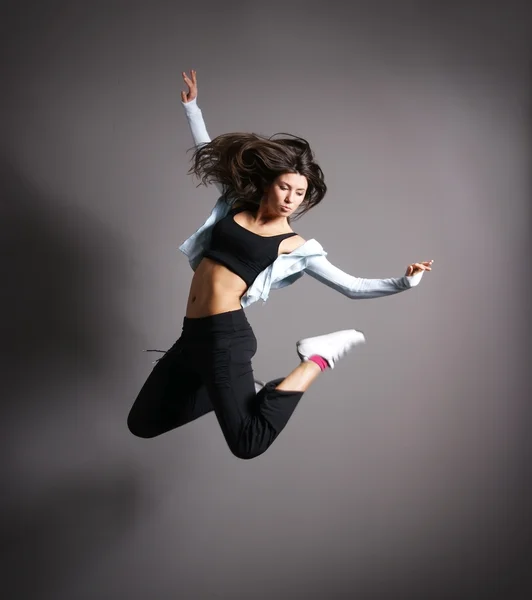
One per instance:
(320, 361)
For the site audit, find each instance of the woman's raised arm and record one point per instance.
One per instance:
(194, 115)
(192, 110)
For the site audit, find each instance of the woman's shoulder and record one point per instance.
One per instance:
(294, 242)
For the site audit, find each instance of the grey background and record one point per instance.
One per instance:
(404, 473)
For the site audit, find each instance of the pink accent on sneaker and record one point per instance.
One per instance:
(320, 361)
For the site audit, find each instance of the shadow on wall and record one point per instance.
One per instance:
(60, 270)
(62, 274)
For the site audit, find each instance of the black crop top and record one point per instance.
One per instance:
(240, 250)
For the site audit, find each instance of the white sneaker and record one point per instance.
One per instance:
(332, 346)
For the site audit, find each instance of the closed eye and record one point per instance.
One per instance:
(285, 188)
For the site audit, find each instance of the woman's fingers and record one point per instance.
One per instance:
(190, 81)
(420, 266)
(192, 86)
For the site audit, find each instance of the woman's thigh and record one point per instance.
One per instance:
(174, 394)
(227, 371)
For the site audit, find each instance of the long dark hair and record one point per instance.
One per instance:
(245, 163)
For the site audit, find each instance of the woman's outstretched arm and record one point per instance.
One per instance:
(358, 287)
(194, 115)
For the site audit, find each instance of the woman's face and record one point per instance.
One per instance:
(285, 194)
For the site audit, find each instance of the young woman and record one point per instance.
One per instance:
(245, 248)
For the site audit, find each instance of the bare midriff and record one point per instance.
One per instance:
(216, 289)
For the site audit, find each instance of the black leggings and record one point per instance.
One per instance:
(209, 368)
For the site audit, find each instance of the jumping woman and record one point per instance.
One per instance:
(245, 248)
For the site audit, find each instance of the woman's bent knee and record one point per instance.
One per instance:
(140, 429)
(246, 453)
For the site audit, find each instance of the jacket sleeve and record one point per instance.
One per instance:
(198, 129)
(324, 271)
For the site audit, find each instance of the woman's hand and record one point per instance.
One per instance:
(415, 268)
(192, 87)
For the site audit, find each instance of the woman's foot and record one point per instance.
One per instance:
(331, 346)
